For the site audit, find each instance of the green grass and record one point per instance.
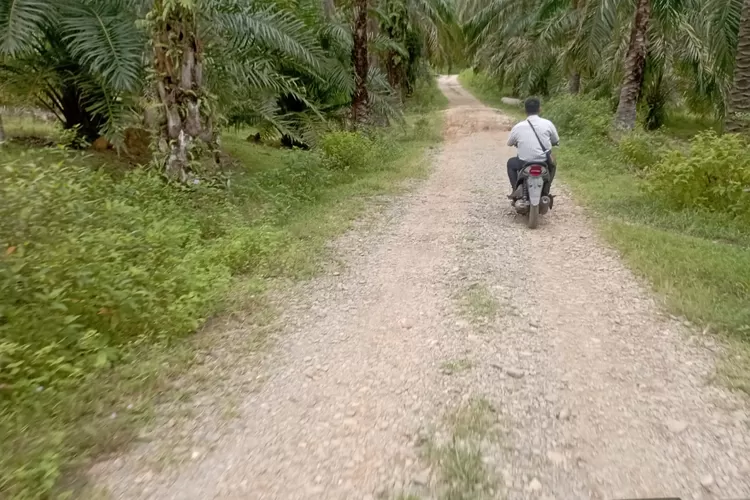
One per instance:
(488, 91)
(458, 460)
(697, 260)
(456, 366)
(683, 125)
(427, 97)
(478, 303)
(20, 127)
(285, 219)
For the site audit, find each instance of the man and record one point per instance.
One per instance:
(524, 137)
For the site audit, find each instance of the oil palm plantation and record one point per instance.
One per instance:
(79, 59)
(414, 32)
(645, 53)
(85, 60)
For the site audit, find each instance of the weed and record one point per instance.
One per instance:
(427, 98)
(489, 92)
(479, 304)
(463, 475)
(455, 366)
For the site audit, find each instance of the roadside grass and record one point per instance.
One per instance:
(21, 127)
(457, 459)
(489, 92)
(425, 99)
(50, 432)
(697, 260)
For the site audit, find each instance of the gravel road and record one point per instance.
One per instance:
(595, 392)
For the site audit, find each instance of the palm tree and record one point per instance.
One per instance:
(635, 65)
(218, 56)
(684, 49)
(360, 60)
(413, 30)
(539, 46)
(574, 80)
(80, 59)
(179, 65)
(84, 60)
(739, 98)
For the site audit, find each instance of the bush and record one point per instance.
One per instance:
(482, 82)
(427, 97)
(641, 149)
(89, 265)
(347, 150)
(714, 174)
(579, 116)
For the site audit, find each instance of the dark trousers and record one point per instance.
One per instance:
(515, 165)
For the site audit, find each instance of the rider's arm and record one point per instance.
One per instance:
(553, 135)
(513, 137)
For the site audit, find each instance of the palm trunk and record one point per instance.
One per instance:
(76, 115)
(396, 72)
(574, 83)
(635, 64)
(738, 117)
(373, 30)
(574, 80)
(329, 9)
(360, 100)
(178, 64)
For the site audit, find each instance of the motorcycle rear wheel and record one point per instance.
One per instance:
(533, 216)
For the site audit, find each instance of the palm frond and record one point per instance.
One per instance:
(104, 38)
(21, 23)
(276, 31)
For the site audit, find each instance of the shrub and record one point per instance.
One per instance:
(714, 174)
(641, 149)
(579, 116)
(347, 150)
(427, 97)
(300, 180)
(89, 265)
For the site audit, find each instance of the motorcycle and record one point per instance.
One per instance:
(531, 194)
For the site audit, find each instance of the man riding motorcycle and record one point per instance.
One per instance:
(534, 138)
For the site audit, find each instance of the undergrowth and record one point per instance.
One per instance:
(105, 271)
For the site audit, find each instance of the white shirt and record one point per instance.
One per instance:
(522, 136)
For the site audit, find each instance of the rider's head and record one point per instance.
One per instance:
(532, 105)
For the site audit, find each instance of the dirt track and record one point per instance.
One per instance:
(449, 300)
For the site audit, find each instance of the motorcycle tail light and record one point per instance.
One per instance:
(535, 170)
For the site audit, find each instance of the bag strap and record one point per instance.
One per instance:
(546, 151)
